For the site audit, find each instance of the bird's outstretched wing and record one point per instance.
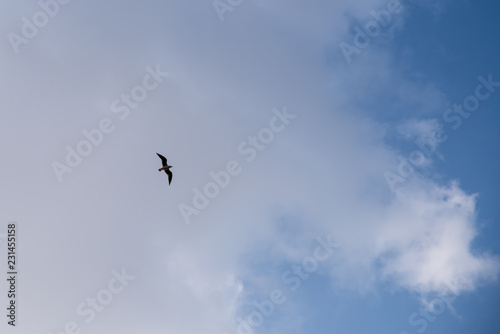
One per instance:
(169, 173)
(163, 159)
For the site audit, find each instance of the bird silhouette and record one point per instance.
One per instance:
(165, 167)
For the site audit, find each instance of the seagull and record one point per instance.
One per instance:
(165, 167)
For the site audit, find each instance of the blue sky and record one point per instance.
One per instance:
(302, 198)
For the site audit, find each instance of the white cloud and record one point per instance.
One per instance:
(425, 243)
(324, 171)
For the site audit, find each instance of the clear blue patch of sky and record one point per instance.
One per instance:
(452, 51)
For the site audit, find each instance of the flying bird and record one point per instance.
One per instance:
(165, 167)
